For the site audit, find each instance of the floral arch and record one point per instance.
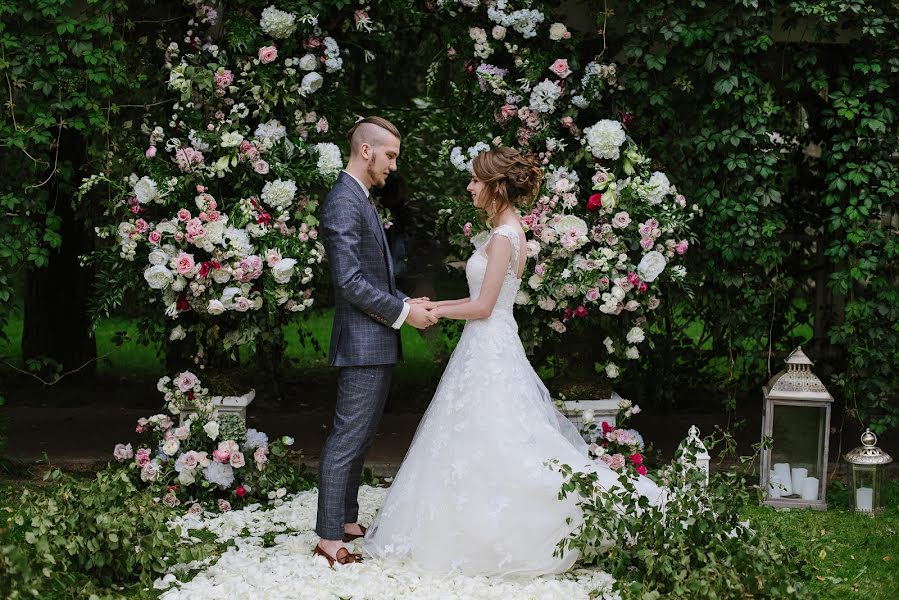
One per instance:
(216, 207)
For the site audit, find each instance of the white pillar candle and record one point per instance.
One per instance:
(810, 488)
(798, 475)
(782, 470)
(864, 499)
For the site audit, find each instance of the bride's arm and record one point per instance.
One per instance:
(499, 253)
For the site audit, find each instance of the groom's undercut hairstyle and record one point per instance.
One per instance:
(373, 131)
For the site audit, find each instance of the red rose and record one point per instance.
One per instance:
(636, 458)
(606, 428)
(580, 312)
(240, 491)
(641, 469)
(643, 286)
(594, 203)
(567, 314)
(181, 304)
(626, 118)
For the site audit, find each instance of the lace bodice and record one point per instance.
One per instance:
(476, 268)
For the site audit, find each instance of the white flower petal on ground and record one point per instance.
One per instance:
(248, 569)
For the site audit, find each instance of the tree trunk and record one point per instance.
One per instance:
(57, 324)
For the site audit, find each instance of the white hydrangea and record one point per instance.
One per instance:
(544, 96)
(333, 62)
(278, 23)
(330, 161)
(279, 194)
(239, 243)
(255, 439)
(459, 159)
(604, 139)
(579, 101)
(270, 133)
(523, 21)
(145, 190)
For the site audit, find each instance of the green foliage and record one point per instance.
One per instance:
(83, 537)
(697, 546)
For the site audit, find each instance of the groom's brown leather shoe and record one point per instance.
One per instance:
(349, 537)
(343, 556)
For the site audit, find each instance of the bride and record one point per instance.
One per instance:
(474, 493)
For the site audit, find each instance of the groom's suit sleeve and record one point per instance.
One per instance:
(342, 224)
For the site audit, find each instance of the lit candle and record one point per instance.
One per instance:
(810, 488)
(798, 478)
(782, 470)
(864, 499)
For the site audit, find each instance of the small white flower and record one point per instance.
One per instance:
(178, 333)
(311, 82)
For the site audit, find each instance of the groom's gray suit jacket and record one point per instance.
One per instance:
(367, 302)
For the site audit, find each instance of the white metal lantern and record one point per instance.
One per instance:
(796, 418)
(693, 453)
(869, 464)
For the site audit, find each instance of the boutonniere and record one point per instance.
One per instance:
(384, 216)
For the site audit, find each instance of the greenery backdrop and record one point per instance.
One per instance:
(778, 120)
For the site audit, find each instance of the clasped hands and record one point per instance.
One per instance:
(422, 312)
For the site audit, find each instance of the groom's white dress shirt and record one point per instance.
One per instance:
(402, 318)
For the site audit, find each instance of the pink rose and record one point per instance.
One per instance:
(224, 505)
(466, 229)
(151, 152)
(141, 226)
(185, 263)
(186, 381)
(184, 215)
(155, 237)
(171, 500)
(122, 452)
(682, 246)
(182, 433)
(593, 294)
(560, 68)
(149, 471)
(213, 215)
(142, 456)
(195, 228)
(189, 460)
(322, 125)
(195, 508)
(267, 54)
(223, 456)
(223, 78)
(681, 201)
(647, 243)
(260, 166)
(237, 460)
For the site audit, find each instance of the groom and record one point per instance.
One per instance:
(365, 338)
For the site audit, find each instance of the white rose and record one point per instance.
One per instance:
(283, 270)
(158, 277)
(610, 345)
(145, 190)
(311, 82)
(215, 307)
(212, 429)
(533, 248)
(221, 275)
(522, 297)
(498, 32)
(612, 370)
(589, 415)
(557, 31)
(651, 266)
(171, 446)
(308, 62)
(632, 353)
(179, 284)
(178, 333)
(158, 257)
(618, 293)
(186, 477)
(535, 281)
(635, 335)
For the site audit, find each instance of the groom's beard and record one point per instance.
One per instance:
(377, 178)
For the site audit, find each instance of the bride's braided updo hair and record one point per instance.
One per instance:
(510, 178)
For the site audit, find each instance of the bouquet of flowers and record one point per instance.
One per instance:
(618, 447)
(209, 457)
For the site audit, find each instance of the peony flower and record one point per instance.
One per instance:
(267, 54)
(149, 471)
(651, 266)
(221, 474)
(151, 152)
(605, 138)
(681, 247)
(279, 194)
(145, 190)
(123, 452)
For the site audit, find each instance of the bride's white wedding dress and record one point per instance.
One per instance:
(474, 494)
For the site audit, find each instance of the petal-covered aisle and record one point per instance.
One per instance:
(286, 568)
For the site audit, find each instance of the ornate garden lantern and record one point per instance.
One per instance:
(796, 420)
(869, 464)
(694, 455)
